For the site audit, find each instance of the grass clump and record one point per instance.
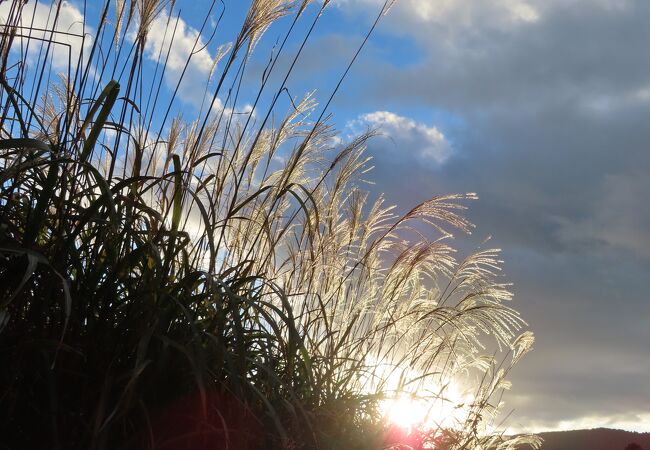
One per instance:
(223, 282)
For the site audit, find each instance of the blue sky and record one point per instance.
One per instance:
(539, 106)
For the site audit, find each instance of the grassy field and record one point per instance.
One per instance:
(222, 281)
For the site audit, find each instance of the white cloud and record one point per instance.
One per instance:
(523, 12)
(452, 14)
(66, 47)
(71, 21)
(455, 18)
(406, 136)
(185, 42)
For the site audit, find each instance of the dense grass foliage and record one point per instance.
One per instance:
(223, 282)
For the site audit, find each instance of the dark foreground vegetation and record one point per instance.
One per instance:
(223, 281)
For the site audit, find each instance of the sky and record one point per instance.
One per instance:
(542, 107)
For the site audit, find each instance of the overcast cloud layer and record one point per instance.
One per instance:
(550, 101)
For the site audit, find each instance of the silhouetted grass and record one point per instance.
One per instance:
(170, 284)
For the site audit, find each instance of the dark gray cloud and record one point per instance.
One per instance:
(555, 139)
(590, 315)
(576, 52)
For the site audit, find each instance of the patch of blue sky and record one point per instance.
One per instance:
(323, 61)
(330, 48)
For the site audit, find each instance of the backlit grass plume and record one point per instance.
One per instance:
(223, 280)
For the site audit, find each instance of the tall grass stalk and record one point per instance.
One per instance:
(233, 259)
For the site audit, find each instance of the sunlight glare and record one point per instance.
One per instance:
(448, 409)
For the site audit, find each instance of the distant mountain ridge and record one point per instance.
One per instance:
(596, 439)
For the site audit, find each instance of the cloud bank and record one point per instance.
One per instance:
(553, 96)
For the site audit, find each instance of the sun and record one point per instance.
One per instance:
(448, 408)
(405, 412)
